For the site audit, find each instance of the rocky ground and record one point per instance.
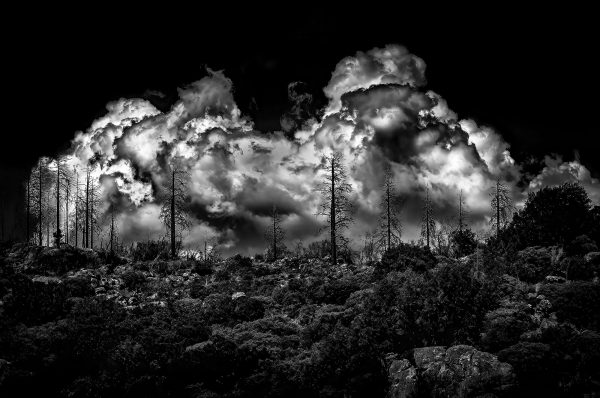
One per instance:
(291, 327)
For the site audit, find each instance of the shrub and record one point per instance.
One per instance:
(407, 256)
(533, 264)
(577, 302)
(535, 365)
(133, 280)
(150, 250)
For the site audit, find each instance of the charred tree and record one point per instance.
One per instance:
(427, 222)
(335, 205)
(275, 234)
(390, 228)
(501, 205)
(174, 212)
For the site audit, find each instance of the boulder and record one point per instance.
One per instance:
(457, 371)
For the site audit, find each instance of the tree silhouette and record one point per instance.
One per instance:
(335, 204)
(501, 205)
(390, 228)
(461, 211)
(62, 176)
(427, 222)
(40, 178)
(275, 234)
(173, 211)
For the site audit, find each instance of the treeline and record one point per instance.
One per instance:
(64, 205)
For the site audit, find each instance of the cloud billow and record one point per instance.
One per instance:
(378, 113)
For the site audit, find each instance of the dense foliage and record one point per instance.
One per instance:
(298, 326)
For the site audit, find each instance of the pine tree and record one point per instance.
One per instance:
(40, 178)
(174, 212)
(428, 222)
(335, 205)
(390, 228)
(501, 205)
(275, 234)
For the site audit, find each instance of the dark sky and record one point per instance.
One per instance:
(531, 74)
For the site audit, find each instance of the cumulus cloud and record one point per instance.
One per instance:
(378, 114)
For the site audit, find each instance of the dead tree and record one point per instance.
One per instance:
(77, 202)
(461, 211)
(335, 205)
(39, 180)
(427, 222)
(62, 181)
(501, 205)
(275, 234)
(28, 209)
(390, 228)
(173, 212)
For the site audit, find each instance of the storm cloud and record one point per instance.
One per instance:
(379, 113)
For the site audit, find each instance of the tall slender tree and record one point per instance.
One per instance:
(335, 204)
(501, 205)
(461, 211)
(427, 222)
(275, 234)
(174, 211)
(40, 179)
(61, 176)
(28, 210)
(77, 201)
(390, 227)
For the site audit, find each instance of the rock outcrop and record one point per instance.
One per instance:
(457, 371)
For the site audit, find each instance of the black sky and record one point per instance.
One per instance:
(531, 74)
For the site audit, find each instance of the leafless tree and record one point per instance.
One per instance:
(275, 234)
(501, 205)
(174, 212)
(390, 227)
(427, 222)
(335, 204)
(369, 250)
(40, 179)
(62, 175)
(462, 214)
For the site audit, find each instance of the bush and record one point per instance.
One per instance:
(533, 264)
(577, 302)
(407, 256)
(33, 302)
(133, 280)
(248, 308)
(202, 268)
(150, 250)
(505, 325)
(79, 286)
(536, 367)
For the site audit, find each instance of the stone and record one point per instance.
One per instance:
(403, 379)
(238, 295)
(457, 371)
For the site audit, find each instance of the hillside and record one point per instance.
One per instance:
(81, 323)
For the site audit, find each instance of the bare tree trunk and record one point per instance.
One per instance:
(427, 215)
(58, 233)
(76, 208)
(112, 230)
(48, 223)
(28, 207)
(173, 254)
(67, 214)
(40, 203)
(333, 242)
(497, 209)
(87, 210)
(92, 217)
(389, 226)
(274, 235)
